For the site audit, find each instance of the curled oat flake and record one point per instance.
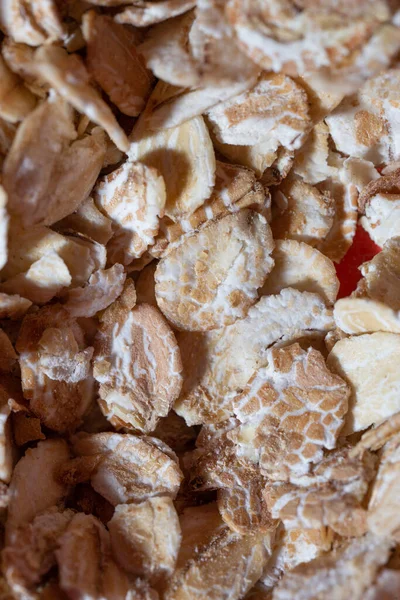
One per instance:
(275, 110)
(209, 278)
(218, 364)
(299, 266)
(305, 213)
(145, 538)
(191, 179)
(133, 197)
(143, 14)
(68, 76)
(137, 363)
(374, 392)
(115, 64)
(130, 469)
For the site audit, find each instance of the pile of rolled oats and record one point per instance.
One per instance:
(188, 411)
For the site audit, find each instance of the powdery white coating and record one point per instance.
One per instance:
(145, 538)
(103, 288)
(218, 364)
(184, 156)
(133, 197)
(368, 125)
(149, 13)
(369, 364)
(275, 110)
(289, 412)
(131, 469)
(347, 572)
(209, 278)
(363, 315)
(299, 266)
(137, 363)
(382, 217)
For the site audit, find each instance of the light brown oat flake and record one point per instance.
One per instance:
(346, 572)
(103, 288)
(185, 158)
(144, 14)
(329, 496)
(300, 37)
(209, 278)
(137, 363)
(133, 197)
(383, 520)
(67, 74)
(48, 172)
(131, 469)
(311, 161)
(299, 266)
(289, 412)
(215, 563)
(115, 64)
(219, 363)
(20, 59)
(304, 213)
(235, 188)
(376, 437)
(34, 486)
(275, 110)
(87, 221)
(374, 392)
(145, 538)
(34, 22)
(55, 368)
(16, 101)
(382, 273)
(31, 554)
(13, 307)
(363, 315)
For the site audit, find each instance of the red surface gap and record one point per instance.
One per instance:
(362, 250)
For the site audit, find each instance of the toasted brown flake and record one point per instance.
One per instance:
(16, 101)
(218, 364)
(115, 64)
(55, 368)
(103, 288)
(68, 76)
(210, 277)
(34, 486)
(288, 412)
(307, 214)
(191, 179)
(346, 572)
(330, 496)
(48, 173)
(133, 197)
(31, 554)
(374, 392)
(299, 266)
(137, 362)
(143, 13)
(145, 538)
(131, 469)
